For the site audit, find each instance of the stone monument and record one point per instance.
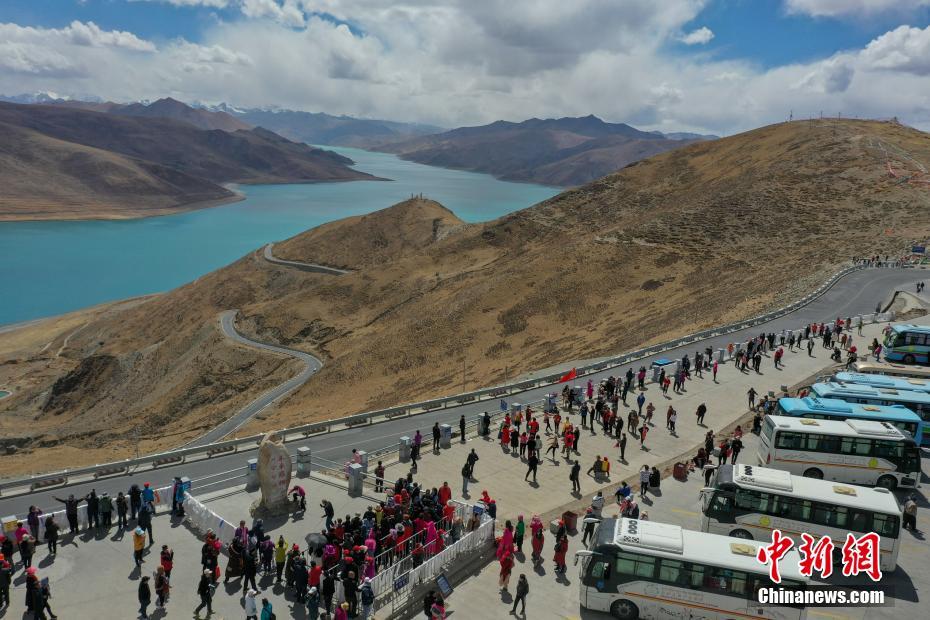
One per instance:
(274, 475)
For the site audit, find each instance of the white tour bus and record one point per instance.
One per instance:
(857, 451)
(643, 569)
(748, 501)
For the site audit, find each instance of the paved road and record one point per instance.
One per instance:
(311, 366)
(857, 293)
(302, 266)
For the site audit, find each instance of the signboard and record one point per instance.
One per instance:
(445, 588)
(918, 249)
(401, 581)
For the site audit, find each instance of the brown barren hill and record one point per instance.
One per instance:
(709, 233)
(563, 151)
(115, 166)
(46, 178)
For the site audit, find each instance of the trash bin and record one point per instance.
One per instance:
(551, 400)
(680, 471)
(571, 520)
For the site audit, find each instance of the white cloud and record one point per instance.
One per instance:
(89, 33)
(25, 58)
(700, 36)
(85, 34)
(461, 62)
(216, 4)
(904, 49)
(287, 12)
(852, 8)
(833, 75)
(192, 52)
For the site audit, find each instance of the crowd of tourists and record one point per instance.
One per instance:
(331, 575)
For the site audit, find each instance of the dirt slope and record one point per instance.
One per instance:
(47, 178)
(115, 166)
(704, 234)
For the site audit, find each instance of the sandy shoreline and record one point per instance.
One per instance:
(127, 214)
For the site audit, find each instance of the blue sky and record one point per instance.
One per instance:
(675, 64)
(765, 32)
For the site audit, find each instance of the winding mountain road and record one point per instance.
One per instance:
(270, 257)
(312, 365)
(856, 293)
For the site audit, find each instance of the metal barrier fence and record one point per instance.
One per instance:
(395, 582)
(129, 466)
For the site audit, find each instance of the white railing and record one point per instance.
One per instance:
(222, 448)
(202, 519)
(394, 579)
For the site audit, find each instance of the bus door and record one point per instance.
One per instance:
(600, 585)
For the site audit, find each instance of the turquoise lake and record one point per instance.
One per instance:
(49, 268)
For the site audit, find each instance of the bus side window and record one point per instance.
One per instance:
(812, 442)
(670, 571)
(626, 564)
(696, 576)
(726, 581)
(793, 508)
(846, 445)
(885, 525)
(600, 570)
(891, 449)
(824, 514)
(829, 444)
(787, 440)
(858, 521)
(862, 447)
(722, 504)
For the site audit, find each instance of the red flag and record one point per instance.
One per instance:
(568, 376)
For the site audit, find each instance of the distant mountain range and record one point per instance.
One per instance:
(65, 161)
(562, 152)
(309, 127)
(326, 129)
(162, 108)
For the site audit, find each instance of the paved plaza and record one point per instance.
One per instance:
(93, 576)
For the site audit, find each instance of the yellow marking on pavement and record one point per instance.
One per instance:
(685, 512)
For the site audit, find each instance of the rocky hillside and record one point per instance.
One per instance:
(564, 152)
(707, 233)
(62, 162)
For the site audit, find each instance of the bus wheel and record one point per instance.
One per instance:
(625, 610)
(908, 359)
(813, 472)
(741, 534)
(887, 482)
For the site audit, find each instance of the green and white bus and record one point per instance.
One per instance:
(643, 569)
(748, 501)
(855, 451)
